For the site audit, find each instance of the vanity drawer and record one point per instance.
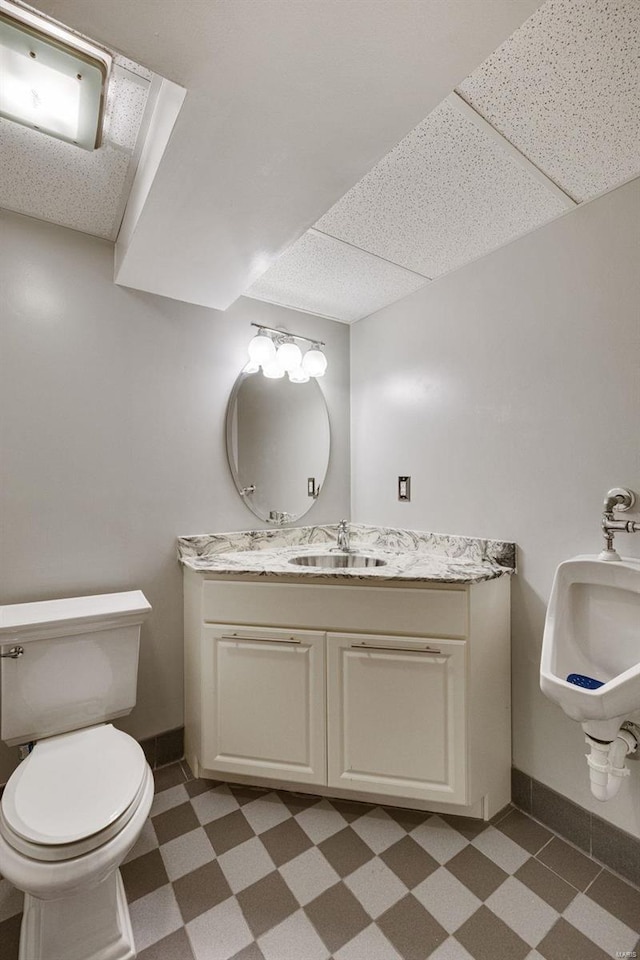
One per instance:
(438, 611)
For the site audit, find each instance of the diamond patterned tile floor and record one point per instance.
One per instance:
(223, 872)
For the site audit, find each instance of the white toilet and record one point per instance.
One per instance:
(76, 805)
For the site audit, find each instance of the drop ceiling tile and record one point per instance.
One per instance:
(565, 90)
(447, 194)
(125, 107)
(52, 180)
(324, 276)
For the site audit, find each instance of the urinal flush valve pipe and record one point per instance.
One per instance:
(607, 765)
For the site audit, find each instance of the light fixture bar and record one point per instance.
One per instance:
(285, 333)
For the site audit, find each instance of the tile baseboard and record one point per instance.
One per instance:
(164, 748)
(611, 846)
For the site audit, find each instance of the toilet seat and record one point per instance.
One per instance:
(73, 793)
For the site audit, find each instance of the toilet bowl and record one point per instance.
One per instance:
(76, 804)
(68, 817)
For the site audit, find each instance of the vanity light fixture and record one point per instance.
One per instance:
(51, 80)
(277, 353)
(288, 355)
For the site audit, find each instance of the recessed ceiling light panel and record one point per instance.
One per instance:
(50, 80)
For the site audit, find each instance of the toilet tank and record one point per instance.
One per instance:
(79, 666)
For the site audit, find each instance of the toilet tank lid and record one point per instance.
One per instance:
(75, 610)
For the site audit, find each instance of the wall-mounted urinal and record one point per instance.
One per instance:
(591, 659)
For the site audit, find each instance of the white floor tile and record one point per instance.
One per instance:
(448, 900)
(293, 939)
(522, 910)
(371, 944)
(154, 917)
(376, 887)
(186, 853)
(172, 797)
(308, 875)
(499, 848)
(245, 864)
(600, 926)
(378, 830)
(219, 933)
(266, 812)
(450, 950)
(439, 839)
(214, 804)
(320, 821)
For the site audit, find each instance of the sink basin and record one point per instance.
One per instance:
(593, 631)
(334, 561)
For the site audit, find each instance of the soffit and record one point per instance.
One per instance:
(288, 105)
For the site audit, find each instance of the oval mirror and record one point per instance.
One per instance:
(278, 441)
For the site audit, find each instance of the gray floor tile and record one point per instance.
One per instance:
(267, 903)
(546, 884)
(564, 942)
(411, 929)
(345, 851)
(228, 831)
(487, 937)
(409, 861)
(618, 897)
(338, 916)
(201, 890)
(524, 831)
(481, 875)
(569, 863)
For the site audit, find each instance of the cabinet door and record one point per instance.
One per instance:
(397, 716)
(263, 702)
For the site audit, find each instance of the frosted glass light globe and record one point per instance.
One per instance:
(298, 375)
(314, 363)
(251, 367)
(262, 349)
(272, 370)
(289, 356)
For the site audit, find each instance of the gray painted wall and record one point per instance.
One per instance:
(510, 391)
(112, 407)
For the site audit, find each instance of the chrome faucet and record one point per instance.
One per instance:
(343, 537)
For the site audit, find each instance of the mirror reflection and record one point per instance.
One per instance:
(278, 442)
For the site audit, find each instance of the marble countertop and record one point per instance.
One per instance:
(409, 555)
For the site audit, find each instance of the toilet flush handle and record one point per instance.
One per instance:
(13, 653)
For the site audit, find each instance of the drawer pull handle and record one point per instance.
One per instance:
(373, 646)
(237, 636)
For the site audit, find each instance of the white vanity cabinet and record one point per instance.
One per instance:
(264, 710)
(387, 692)
(396, 712)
